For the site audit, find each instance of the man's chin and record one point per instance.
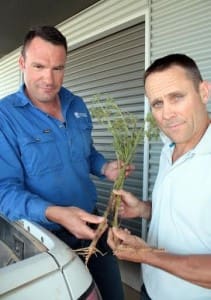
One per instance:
(47, 98)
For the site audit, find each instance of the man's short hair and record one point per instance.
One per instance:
(47, 33)
(181, 60)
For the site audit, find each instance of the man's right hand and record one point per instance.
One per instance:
(131, 207)
(74, 220)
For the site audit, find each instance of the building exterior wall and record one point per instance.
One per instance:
(182, 26)
(104, 17)
(10, 76)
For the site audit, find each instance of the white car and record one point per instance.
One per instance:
(35, 264)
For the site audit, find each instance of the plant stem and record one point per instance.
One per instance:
(116, 199)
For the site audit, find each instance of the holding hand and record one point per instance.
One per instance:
(74, 220)
(131, 207)
(128, 247)
(125, 245)
(111, 169)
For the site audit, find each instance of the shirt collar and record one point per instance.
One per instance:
(22, 100)
(203, 147)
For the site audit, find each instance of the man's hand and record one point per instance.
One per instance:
(111, 169)
(131, 207)
(74, 220)
(125, 245)
(128, 247)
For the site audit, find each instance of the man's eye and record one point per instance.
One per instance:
(59, 68)
(38, 67)
(157, 104)
(178, 96)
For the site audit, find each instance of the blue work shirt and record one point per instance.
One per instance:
(44, 161)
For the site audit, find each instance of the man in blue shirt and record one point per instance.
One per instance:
(47, 154)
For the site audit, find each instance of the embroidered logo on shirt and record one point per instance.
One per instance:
(80, 114)
(46, 130)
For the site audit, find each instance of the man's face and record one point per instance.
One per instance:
(43, 69)
(177, 106)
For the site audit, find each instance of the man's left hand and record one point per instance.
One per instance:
(128, 247)
(111, 169)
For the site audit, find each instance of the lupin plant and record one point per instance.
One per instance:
(126, 134)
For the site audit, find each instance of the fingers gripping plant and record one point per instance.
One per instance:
(126, 134)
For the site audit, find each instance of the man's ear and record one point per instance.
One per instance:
(204, 91)
(209, 88)
(21, 62)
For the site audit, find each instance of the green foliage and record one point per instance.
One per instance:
(123, 126)
(127, 133)
(152, 131)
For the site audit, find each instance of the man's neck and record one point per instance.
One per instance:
(53, 108)
(181, 149)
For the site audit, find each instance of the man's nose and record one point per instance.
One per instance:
(168, 111)
(48, 76)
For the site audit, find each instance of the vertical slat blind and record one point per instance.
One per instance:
(112, 66)
(10, 74)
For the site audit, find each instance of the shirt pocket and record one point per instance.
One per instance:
(40, 153)
(81, 140)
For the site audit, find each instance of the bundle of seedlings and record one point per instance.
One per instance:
(126, 133)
